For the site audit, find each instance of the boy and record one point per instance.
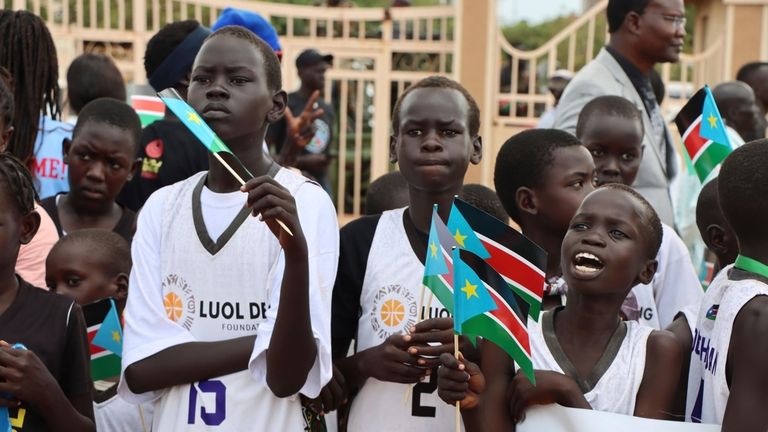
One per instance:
(101, 158)
(541, 177)
(727, 377)
(611, 128)
(93, 76)
(49, 382)
(169, 151)
(229, 315)
(485, 199)
(376, 298)
(87, 266)
(714, 229)
(585, 356)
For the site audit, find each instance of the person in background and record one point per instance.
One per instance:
(556, 84)
(90, 77)
(485, 199)
(738, 106)
(755, 75)
(387, 192)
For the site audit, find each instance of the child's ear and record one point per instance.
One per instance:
(646, 274)
(66, 145)
(279, 103)
(477, 150)
(134, 168)
(121, 285)
(716, 240)
(29, 225)
(526, 201)
(392, 149)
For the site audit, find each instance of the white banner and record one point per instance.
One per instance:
(555, 418)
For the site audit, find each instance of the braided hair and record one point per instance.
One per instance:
(6, 97)
(28, 52)
(19, 182)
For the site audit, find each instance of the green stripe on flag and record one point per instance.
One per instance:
(148, 119)
(494, 332)
(440, 288)
(710, 158)
(534, 304)
(103, 367)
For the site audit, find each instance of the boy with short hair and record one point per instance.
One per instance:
(727, 377)
(387, 192)
(101, 158)
(585, 356)
(611, 128)
(541, 177)
(229, 315)
(93, 76)
(376, 298)
(713, 227)
(49, 382)
(87, 266)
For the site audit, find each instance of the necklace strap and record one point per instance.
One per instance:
(751, 265)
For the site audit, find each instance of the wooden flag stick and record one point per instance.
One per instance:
(419, 318)
(458, 403)
(242, 182)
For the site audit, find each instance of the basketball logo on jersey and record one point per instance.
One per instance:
(394, 311)
(178, 301)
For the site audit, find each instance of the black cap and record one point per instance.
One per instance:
(311, 57)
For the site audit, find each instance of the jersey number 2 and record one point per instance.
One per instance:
(429, 387)
(216, 417)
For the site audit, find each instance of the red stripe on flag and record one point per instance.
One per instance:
(511, 267)
(693, 141)
(510, 321)
(91, 334)
(148, 103)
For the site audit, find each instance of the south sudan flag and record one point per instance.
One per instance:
(704, 133)
(105, 337)
(149, 108)
(517, 259)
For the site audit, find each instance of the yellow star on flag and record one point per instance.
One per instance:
(116, 336)
(433, 249)
(459, 238)
(469, 289)
(712, 121)
(191, 116)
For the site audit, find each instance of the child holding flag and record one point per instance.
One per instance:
(91, 267)
(585, 355)
(229, 315)
(379, 299)
(49, 382)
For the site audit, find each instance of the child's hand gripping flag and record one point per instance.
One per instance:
(200, 129)
(704, 133)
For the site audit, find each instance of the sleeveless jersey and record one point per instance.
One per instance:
(389, 301)
(216, 305)
(613, 384)
(707, 386)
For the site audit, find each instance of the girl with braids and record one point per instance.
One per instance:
(30, 264)
(28, 52)
(49, 383)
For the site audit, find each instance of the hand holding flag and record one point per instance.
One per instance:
(191, 119)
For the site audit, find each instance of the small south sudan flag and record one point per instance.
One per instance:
(712, 312)
(105, 337)
(704, 133)
(149, 108)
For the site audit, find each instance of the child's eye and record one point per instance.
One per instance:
(450, 133)
(578, 184)
(596, 152)
(579, 226)
(239, 80)
(618, 234)
(201, 79)
(84, 156)
(72, 281)
(414, 133)
(628, 157)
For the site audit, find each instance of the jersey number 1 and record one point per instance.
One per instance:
(216, 417)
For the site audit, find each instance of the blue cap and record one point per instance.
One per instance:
(253, 22)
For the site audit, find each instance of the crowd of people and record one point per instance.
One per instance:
(246, 308)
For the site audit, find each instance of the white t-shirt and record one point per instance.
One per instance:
(389, 303)
(186, 286)
(674, 287)
(615, 381)
(117, 415)
(708, 389)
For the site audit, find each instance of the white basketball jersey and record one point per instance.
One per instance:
(707, 387)
(218, 305)
(615, 381)
(389, 302)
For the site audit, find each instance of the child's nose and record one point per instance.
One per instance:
(217, 90)
(96, 171)
(431, 142)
